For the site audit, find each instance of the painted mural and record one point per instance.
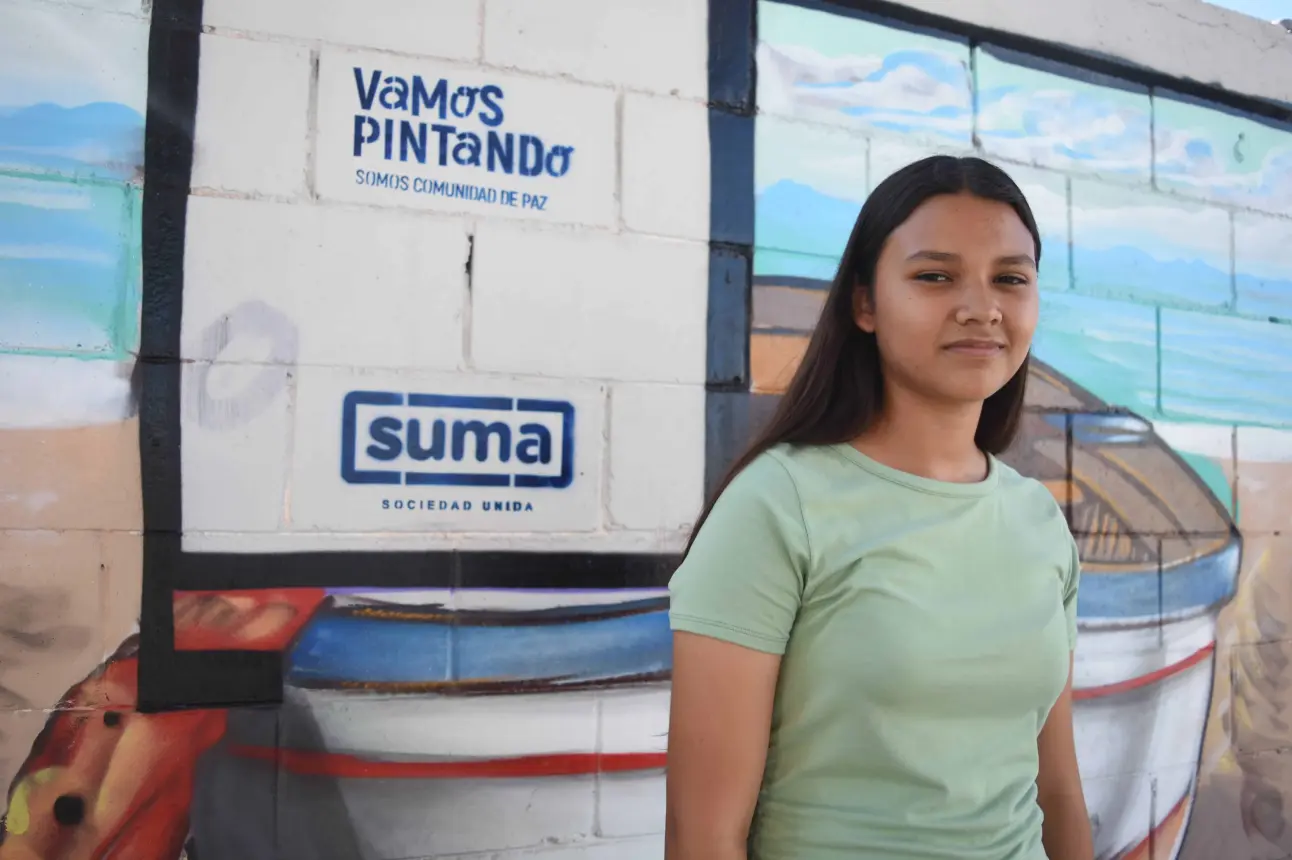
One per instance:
(423, 721)
(1163, 352)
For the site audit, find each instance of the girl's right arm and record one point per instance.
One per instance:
(717, 745)
(734, 601)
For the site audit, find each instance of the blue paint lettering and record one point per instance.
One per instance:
(538, 448)
(425, 505)
(482, 433)
(407, 140)
(533, 447)
(515, 507)
(463, 103)
(502, 152)
(435, 450)
(366, 95)
(436, 100)
(384, 433)
(419, 439)
(414, 139)
(444, 131)
(377, 179)
(394, 95)
(558, 160)
(366, 131)
(467, 152)
(531, 155)
(490, 95)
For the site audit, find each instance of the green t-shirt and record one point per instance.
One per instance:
(925, 629)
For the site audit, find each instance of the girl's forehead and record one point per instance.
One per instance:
(962, 225)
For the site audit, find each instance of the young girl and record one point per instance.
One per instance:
(874, 622)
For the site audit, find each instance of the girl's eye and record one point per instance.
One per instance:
(1013, 280)
(932, 277)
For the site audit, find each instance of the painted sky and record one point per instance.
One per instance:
(73, 90)
(71, 57)
(1266, 10)
(1203, 150)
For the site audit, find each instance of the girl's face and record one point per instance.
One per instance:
(955, 301)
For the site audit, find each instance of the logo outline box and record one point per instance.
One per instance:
(353, 475)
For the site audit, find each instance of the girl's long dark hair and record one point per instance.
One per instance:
(838, 390)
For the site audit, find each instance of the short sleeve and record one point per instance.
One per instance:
(742, 580)
(1071, 585)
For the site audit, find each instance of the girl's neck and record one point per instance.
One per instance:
(932, 440)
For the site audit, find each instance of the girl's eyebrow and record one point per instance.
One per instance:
(947, 257)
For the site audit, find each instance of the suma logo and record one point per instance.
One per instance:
(453, 440)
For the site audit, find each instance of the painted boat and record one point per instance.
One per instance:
(436, 723)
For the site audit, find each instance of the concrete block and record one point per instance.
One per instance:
(69, 445)
(1145, 247)
(236, 421)
(1056, 116)
(121, 584)
(809, 184)
(656, 455)
(18, 733)
(666, 167)
(253, 103)
(589, 305)
(1264, 473)
(1214, 153)
(1047, 194)
(1123, 368)
(888, 155)
(856, 73)
(1226, 369)
(611, 43)
(322, 284)
(52, 587)
(445, 28)
(72, 109)
(631, 804)
(69, 267)
(1262, 269)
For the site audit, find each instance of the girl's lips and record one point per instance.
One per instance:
(975, 347)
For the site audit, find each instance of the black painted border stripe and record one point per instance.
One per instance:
(167, 678)
(732, 76)
(416, 569)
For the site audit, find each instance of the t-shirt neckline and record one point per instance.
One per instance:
(919, 482)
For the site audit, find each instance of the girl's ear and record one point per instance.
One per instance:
(863, 310)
